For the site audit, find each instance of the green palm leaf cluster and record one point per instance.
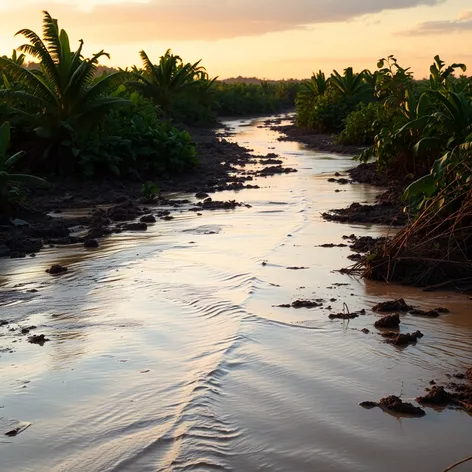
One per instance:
(62, 97)
(168, 79)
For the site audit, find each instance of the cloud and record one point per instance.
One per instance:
(137, 20)
(463, 22)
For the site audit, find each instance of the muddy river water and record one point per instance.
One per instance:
(167, 352)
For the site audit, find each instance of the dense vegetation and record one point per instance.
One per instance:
(418, 128)
(70, 115)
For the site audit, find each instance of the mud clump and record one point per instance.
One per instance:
(209, 204)
(436, 396)
(369, 405)
(396, 405)
(424, 313)
(382, 214)
(201, 195)
(136, 227)
(303, 304)
(389, 321)
(91, 244)
(38, 339)
(391, 306)
(297, 268)
(402, 339)
(364, 244)
(274, 170)
(56, 269)
(332, 245)
(148, 219)
(307, 304)
(347, 315)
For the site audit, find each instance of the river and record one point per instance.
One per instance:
(167, 352)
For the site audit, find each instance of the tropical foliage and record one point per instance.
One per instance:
(13, 185)
(63, 97)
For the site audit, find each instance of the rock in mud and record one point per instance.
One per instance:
(56, 269)
(366, 331)
(201, 195)
(91, 244)
(402, 339)
(389, 321)
(147, 219)
(436, 396)
(136, 227)
(391, 306)
(38, 339)
(395, 404)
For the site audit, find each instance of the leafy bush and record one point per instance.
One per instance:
(132, 141)
(365, 123)
(326, 113)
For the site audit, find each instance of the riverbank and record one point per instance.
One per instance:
(39, 222)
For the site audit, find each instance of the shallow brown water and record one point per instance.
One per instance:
(167, 352)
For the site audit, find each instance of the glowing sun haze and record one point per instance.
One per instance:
(264, 38)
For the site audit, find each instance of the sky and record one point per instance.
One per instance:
(273, 39)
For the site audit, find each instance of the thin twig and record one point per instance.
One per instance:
(457, 464)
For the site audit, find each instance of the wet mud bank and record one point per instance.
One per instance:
(49, 219)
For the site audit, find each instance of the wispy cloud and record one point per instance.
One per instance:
(463, 22)
(137, 20)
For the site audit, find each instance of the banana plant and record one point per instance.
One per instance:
(168, 79)
(311, 89)
(351, 86)
(440, 74)
(12, 184)
(63, 97)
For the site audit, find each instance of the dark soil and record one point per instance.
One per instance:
(436, 396)
(402, 339)
(383, 213)
(391, 306)
(347, 315)
(456, 394)
(307, 303)
(395, 404)
(389, 321)
(56, 269)
(218, 170)
(389, 208)
(38, 339)
(316, 141)
(363, 244)
(425, 314)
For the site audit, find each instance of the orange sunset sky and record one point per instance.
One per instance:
(264, 38)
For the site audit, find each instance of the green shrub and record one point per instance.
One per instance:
(365, 123)
(326, 113)
(132, 141)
